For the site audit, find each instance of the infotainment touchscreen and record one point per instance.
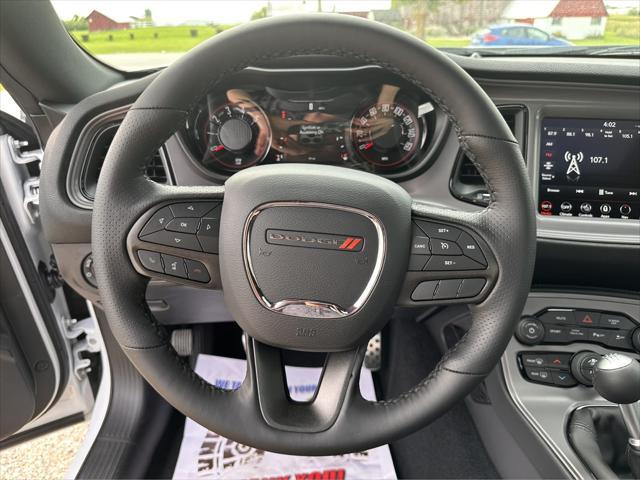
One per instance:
(590, 168)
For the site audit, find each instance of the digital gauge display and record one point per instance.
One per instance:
(589, 168)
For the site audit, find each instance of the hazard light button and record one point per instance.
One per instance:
(587, 318)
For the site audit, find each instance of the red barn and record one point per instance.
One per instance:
(99, 21)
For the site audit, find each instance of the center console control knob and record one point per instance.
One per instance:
(635, 339)
(530, 331)
(583, 366)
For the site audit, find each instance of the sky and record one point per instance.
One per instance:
(219, 11)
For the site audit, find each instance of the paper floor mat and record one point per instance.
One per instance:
(204, 454)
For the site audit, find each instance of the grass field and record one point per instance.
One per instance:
(621, 30)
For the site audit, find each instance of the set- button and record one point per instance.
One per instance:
(187, 225)
(440, 248)
(174, 266)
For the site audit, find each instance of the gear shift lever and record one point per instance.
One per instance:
(617, 379)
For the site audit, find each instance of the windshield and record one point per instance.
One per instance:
(143, 34)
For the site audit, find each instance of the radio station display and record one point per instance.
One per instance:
(590, 168)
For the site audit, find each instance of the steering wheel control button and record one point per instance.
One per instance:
(588, 319)
(88, 271)
(417, 262)
(444, 247)
(174, 266)
(150, 260)
(208, 234)
(425, 291)
(437, 230)
(196, 271)
(559, 316)
(447, 289)
(192, 209)
(470, 248)
(183, 225)
(420, 245)
(442, 263)
(471, 287)
(157, 222)
(173, 239)
(530, 331)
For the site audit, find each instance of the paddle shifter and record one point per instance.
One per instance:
(617, 379)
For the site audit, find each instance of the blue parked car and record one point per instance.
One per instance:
(515, 35)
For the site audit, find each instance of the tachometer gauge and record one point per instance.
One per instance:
(236, 136)
(386, 135)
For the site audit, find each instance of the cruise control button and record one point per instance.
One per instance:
(451, 263)
(417, 262)
(192, 209)
(425, 290)
(208, 234)
(173, 239)
(150, 260)
(563, 379)
(616, 321)
(447, 289)
(470, 248)
(586, 318)
(437, 230)
(183, 225)
(444, 247)
(157, 221)
(558, 316)
(420, 245)
(174, 266)
(555, 334)
(197, 271)
(471, 287)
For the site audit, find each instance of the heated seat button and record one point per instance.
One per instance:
(183, 225)
(470, 248)
(150, 260)
(208, 234)
(174, 266)
(471, 287)
(563, 379)
(420, 245)
(438, 230)
(587, 318)
(444, 247)
(197, 271)
(157, 222)
(447, 289)
(192, 209)
(173, 239)
(425, 291)
(451, 263)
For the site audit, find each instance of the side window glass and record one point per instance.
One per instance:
(8, 105)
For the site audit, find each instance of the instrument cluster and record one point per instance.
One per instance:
(381, 127)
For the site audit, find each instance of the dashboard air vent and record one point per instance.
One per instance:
(156, 170)
(466, 182)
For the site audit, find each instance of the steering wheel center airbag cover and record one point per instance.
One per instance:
(302, 268)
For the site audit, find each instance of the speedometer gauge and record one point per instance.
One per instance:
(235, 136)
(386, 135)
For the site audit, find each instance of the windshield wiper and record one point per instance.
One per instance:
(559, 51)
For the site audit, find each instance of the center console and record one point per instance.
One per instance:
(548, 366)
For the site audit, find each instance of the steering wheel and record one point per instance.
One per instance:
(312, 258)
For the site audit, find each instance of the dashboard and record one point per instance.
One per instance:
(365, 119)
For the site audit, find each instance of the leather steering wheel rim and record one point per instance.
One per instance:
(507, 226)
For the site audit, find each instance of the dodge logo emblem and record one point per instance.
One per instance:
(327, 241)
